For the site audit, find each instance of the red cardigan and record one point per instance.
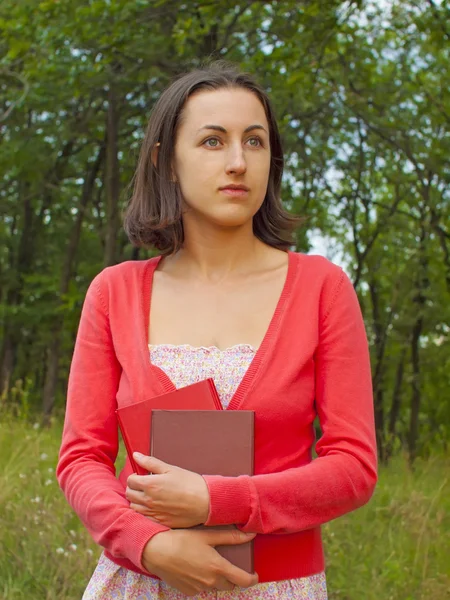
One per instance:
(313, 361)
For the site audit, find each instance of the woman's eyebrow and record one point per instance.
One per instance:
(223, 130)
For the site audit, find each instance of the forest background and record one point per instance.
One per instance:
(362, 94)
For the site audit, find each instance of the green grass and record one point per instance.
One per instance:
(395, 548)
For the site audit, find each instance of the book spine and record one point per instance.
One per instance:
(136, 468)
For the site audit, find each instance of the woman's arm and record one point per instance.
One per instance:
(344, 475)
(89, 446)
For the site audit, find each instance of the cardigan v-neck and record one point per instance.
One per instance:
(263, 351)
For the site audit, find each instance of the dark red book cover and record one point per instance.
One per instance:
(208, 443)
(135, 419)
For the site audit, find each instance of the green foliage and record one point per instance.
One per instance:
(361, 91)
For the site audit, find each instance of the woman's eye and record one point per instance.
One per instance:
(212, 142)
(255, 142)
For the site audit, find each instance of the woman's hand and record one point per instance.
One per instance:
(171, 496)
(188, 561)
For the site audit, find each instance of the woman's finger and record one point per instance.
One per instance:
(136, 496)
(137, 482)
(139, 508)
(223, 584)
(238, 576)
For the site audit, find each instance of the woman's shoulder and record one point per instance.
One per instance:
(125, 278)
(321, 277)
(325, 282)
(127, 270)
(317, 266)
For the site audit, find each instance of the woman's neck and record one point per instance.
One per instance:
(214, 261)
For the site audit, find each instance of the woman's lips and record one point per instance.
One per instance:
(235, 192)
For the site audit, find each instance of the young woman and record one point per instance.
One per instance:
(280, 332)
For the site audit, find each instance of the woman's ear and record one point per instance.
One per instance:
(154, 154)
(154, 157)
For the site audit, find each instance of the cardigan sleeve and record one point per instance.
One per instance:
(85, 470)
(343, 476)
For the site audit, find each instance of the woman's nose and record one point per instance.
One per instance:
(236, 161)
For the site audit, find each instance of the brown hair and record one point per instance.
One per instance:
(153, 215)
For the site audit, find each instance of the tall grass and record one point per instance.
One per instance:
(395, 548)
(44, 552)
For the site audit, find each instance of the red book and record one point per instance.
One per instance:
(135, 419)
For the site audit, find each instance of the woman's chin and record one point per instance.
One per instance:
(233, 215)
(229, 216)
(231, 221)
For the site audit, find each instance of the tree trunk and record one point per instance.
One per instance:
(415, 389)
(52, 367)
(379, 366)
(6, 365)
(21, 267)
(135, 252)
(112, 179)
(395, 406)
(419, 301)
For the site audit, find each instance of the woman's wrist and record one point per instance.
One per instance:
(151, 551)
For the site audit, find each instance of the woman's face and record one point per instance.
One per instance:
(223, 140)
